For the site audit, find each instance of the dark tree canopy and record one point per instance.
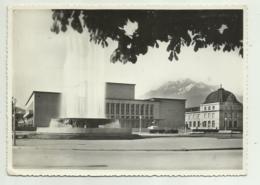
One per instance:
(221, 29)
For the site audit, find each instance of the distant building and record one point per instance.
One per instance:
(120, 105)
(220, 111)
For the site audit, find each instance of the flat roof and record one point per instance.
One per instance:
(168, 99)
(119, 83)
(128, 99)
(34, 92)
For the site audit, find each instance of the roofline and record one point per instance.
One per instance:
(150, 99)
(147, 100)
(33, 92)
(120, 83)
(171, 99)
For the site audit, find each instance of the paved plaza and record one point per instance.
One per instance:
(159, 153)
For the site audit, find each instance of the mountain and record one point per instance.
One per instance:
(194, 92)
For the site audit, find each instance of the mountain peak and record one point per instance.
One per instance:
(194, 92)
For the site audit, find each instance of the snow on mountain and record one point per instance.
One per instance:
(194, 92)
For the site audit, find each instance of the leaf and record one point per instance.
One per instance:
(178, 48)
(156, 44)
(175, 56)
(241, 52)
(170, 56)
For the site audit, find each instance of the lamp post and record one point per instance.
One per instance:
(13, 120)
(225, 123)
(140, 124)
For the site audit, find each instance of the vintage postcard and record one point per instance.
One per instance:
(127, 90)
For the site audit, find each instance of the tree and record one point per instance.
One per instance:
(220, 29)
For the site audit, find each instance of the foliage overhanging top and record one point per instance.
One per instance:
(196, 28)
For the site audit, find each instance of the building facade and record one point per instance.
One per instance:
(220, 111)
(120, 104)
(41, 107)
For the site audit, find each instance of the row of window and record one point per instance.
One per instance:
(205, 115)
(127, 109)
(211, 115)
(130, 117)
(231, 124)
(209, 124)
(209, 108)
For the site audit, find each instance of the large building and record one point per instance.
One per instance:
(220, 111)
(120, 104)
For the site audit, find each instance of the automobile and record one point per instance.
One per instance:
(152, 127)
(156, 129)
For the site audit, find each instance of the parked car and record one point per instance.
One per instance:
(156, 129)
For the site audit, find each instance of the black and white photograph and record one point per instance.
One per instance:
(133, 91)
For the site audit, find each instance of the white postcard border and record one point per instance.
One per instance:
(74, 172)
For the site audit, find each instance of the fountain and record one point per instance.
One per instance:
(82, 108)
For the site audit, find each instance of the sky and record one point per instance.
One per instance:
(39, 56)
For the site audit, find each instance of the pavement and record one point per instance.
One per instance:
(160, 153)
(151, 143)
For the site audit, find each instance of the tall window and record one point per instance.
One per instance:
(137, 109)
(209, 124)
(213, 123)
(147, 109)
(122, 108)
(230, 124)
(133, 109)
(107, 108)
(112, 108)
(127, 108)
(151, 109)
(208, 107)
(117, 108)
(198, 123)
(204, 124)
(194, 123)
(235, 124)
(142, 109)
(205, 108)
(213, 107)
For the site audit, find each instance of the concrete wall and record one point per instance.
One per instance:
(120, 91)
(88, 131)
(172, 113)
(46, 107)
